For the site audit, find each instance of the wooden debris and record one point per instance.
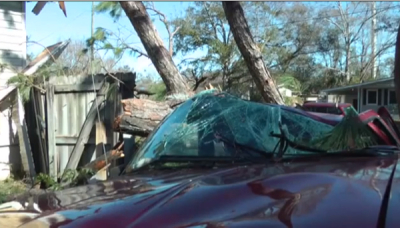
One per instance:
(100, 162)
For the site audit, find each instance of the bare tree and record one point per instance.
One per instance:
(351, 22)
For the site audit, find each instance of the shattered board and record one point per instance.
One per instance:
(194, 129)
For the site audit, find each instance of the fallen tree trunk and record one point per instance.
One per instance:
(141, 116)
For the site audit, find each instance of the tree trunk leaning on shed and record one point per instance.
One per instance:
(142, 116)
(251, 53)
(155, 49)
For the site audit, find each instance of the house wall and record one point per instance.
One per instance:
(12, 40)
(383, 99)
(10, 158)
(285, 92)
(336, 98)
(12, 60)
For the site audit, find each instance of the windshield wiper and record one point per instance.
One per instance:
(159, 162)
(175, 161)
(245, 148)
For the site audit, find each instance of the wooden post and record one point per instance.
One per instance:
(128, 139)
(101, 139)
(51, 132)
(25, 146)
(86, 128)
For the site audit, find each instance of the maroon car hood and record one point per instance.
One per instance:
(325, 193)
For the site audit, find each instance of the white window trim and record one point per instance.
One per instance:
(390, 90)
(367, 94)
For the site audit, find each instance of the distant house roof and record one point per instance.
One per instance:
(343, 88)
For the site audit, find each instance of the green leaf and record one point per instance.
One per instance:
(113, 8)
(118, 52)
(108, 46)
(100, 34)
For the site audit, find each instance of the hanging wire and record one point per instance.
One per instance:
(92, 75)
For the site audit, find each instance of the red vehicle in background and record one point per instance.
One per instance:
(328, 108)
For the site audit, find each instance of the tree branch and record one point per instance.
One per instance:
(164, 20)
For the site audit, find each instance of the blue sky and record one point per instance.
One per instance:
(51, 26)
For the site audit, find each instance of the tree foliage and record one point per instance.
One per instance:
(315, 45)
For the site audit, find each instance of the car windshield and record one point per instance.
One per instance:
(194, 128)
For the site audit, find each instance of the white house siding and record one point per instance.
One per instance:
(12, 60)
(336, 98)
(285, 92)
(12, 39)
(381, 87)
(9, 145)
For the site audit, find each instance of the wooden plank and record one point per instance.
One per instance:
(87, 87)
(51, 132)
(70, 140)
(113, 154)
(129, 140)
(100, 175)
(37, 134)
(101, 139)
(40, 117)
(86, 129)
(25, 146)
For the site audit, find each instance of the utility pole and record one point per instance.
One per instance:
(373, 39)
(92, 33)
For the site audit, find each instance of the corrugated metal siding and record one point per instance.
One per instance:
(12, 39)
(71, 110)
